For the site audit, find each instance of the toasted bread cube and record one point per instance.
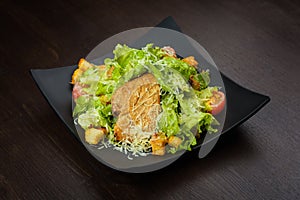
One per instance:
(191, 61)
(101, 67)
(195, 84)
(93, 135)
(118, 133)
(159, 151)
(77, 73)
(110, 71)
(158, 143)
(83, 64)
(174, 141)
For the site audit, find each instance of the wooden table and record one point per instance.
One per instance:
(255, 43)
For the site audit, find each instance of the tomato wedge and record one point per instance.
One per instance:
(77, 91)
(169, 51)
(217, 102)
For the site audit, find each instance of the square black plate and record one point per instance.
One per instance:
(55, 85)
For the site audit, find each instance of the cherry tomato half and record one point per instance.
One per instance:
(77, 91)
(169, 51)
(217, 102)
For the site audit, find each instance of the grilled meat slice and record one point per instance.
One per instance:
(137, 103)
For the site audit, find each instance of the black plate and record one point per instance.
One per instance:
(54, 84)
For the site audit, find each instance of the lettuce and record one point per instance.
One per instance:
(169, 79)
(96, 114)
(122, 54)
(169, 118)
(89, 118)
(131, 74)
(204, 97)
(179, 96)
(105, 87)
(185, 69)
(184, 109)
(82, 104)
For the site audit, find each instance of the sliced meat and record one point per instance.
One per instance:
(120, 99)
(144, 106)
(137, 103)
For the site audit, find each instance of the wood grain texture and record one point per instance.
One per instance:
(255, 43)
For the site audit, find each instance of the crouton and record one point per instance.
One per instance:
(191, 61)
(101, 67)
(174, 141)
(93, 135)
(159, 151)
(158, 142)
(110, 71)
(118, 133)
(195, 84)
(83, 65)
(77, 73)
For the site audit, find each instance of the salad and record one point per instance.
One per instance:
(145, 101)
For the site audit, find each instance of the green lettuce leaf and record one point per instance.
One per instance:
(203, 79)
(185, 111)
(185, 69)
(169, 118)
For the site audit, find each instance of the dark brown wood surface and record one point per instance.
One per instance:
(255, 43)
